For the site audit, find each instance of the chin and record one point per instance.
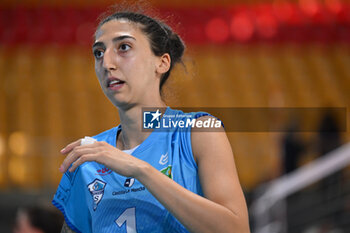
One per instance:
(122, 104)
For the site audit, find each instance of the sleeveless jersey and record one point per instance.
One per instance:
(95, 199)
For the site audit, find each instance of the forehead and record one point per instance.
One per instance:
(118, 27)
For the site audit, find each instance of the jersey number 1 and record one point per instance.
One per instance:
(128, 216)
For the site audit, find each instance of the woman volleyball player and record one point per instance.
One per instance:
(131, 180)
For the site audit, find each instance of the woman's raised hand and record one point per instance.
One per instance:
(103, 153)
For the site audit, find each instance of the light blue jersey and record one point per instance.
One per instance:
(96, 199)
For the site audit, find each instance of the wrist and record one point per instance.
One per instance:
(142, 169)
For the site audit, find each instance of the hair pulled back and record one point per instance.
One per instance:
(161, 37)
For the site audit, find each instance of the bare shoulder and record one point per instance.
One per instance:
(66, 229)
(207, 139)
(216, 168)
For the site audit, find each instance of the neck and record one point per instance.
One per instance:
(130, 120)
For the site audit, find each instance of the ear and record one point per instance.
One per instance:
(163, 64)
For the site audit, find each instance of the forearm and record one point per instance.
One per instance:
(196, 213)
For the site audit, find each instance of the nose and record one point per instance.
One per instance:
(109, 60)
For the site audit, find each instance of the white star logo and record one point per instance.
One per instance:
(156, 115)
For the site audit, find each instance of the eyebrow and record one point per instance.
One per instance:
(115, 39)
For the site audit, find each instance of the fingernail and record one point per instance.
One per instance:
(63, 150)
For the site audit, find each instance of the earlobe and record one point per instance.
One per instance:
(164, 63)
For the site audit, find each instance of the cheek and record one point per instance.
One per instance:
(98, 71)
(133, 70)
(97, 66)
(143, 68)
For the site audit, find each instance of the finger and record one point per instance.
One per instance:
(81, 160)
(87, 141)
(71, 146)
(78, 151)
(74, 155)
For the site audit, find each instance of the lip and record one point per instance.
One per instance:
(112, 78)
(115, 86)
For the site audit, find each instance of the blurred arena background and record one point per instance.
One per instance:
(256, 53)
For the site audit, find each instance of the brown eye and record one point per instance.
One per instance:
(124, 47)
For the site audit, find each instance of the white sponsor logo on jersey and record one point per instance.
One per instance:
(164, 159)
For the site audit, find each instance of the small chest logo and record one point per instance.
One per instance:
(103, 171)
(129, 182)
(164, 159)
(167, 171)
(97, 188)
